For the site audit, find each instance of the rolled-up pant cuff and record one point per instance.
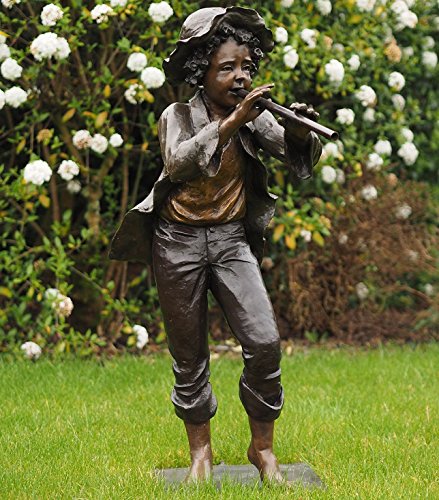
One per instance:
(260, 408)
(197, 410)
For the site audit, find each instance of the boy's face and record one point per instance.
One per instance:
(229, 69)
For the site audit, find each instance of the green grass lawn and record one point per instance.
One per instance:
(366, 421)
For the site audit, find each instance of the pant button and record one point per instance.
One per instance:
(212, 229)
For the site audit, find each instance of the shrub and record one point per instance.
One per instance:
(81, 89)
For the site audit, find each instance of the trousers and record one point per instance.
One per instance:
(188, 261)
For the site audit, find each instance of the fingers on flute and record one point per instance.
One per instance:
(305, 109)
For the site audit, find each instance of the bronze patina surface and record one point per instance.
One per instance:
(203, 224)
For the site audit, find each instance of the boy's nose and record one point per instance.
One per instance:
(240, 76)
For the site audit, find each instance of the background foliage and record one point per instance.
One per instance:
(339, 262)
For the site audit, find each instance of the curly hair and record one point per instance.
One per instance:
(197, 65)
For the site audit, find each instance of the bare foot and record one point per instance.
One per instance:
(266, 463)
(200, 470)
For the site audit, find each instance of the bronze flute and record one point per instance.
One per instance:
(291, 115)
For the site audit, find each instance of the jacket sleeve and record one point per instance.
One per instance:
(186, 155)
(298, 155)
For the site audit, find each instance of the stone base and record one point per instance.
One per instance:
(300, 473)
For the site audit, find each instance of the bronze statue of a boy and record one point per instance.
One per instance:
(203, 223)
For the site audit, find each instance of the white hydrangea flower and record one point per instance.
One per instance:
(354, 62)
(160, 12)
(369, 115)
(82, 139)
(48, 45)
(340, 176)
(309, 37)
(99, 143)
(330, 149)
(361, 290)
(324, 7)
(409, 153)
(4, 52)
(329, 175)
(365, 5)
(406, 19)
(281, 35)
(10, 69)
(407, 134)
(62, 48)
(429, 59)
(100, 13)
(343, 238)
(2, 39)
(399, 6)
(44, 46)
(2, 99)
(345, 116)
(291, 57)
(366, 95)
(374, 162)
(51, 14)
(142, 336)
(131, 94)
(383, 147)
(429, 289)
(286, 3)
(68, 169)
(306, 235)
(396, 81)
(335, 71)
(10, 3)
(408, 52)
(31, 350)
(338, 47)
(398, 101)
(63, 305)
(37, 172)
(137, 62)
(116, 140)
(428, 42)
(118, 3)
(73, 186)
(153, 78)
(403, 211)
(369, 192)
(15, 97)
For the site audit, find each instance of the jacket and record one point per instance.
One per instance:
(189, 146)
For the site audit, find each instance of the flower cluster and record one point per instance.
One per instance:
(405, 18)
(160, 12)
(142, 336)
(291, 57)
(62, 304)
(48, 45)
(51, 14)
(335, 71)
(68, 169)
(10, 69)
(366, 95)
(82, 139)
(37, 172)
(100, 13)
(14, 97)
(31, 350)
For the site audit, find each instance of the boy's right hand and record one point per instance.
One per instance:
(247, 110)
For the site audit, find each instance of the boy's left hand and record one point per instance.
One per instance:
(295, 129)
